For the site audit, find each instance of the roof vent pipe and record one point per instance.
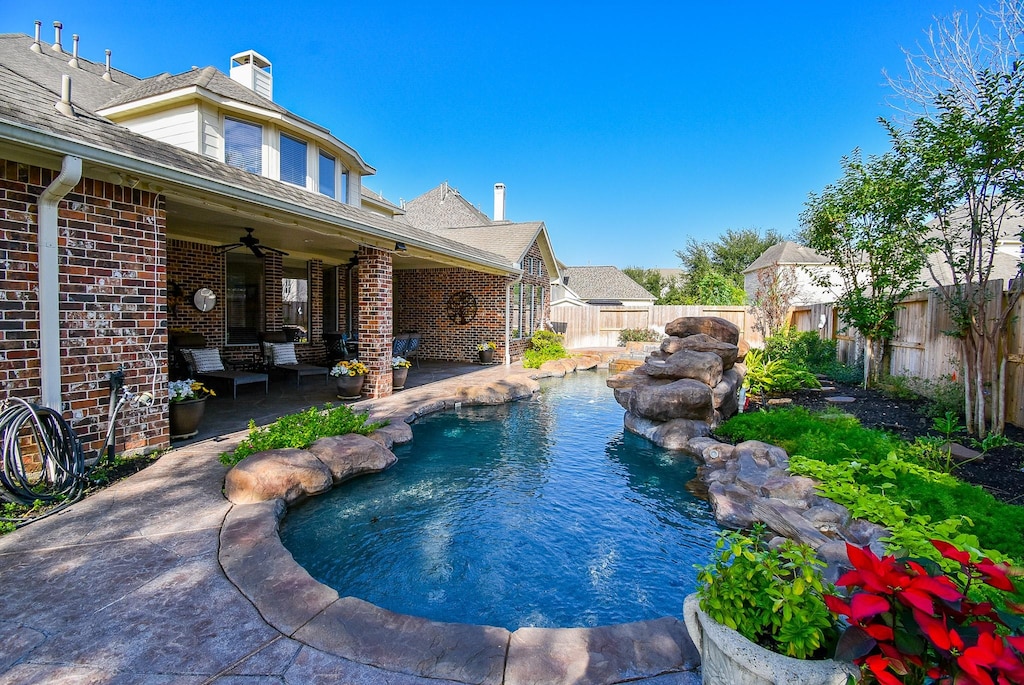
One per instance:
(57, 26)
(499, 201)
(106, 74)
(35, 45)
(64, 106)
(73, 63)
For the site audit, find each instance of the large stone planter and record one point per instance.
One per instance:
(349, 387)
(728, 658)
(398, 377)
(185, 417)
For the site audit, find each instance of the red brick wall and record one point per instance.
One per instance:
(375, 319)
(420, 297)
(112, 280)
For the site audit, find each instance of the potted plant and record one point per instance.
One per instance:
(399, 372)
(485, 352)
(349, 375)
(188, 404)
(909, 621)
(759, 615)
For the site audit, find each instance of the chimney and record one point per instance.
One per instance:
(56, 47)
(253, 71)
(73, 63)
(35, 46)
(499, 201)
(106, 74)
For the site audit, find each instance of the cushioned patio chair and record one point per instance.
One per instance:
(205, 364)
(279, 355)
(412, 349)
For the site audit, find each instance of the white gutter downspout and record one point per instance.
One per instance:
(49, 283)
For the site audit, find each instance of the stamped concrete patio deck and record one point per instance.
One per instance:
(128, 586)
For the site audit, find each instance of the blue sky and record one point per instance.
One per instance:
(626, 127)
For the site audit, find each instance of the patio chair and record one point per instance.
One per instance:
(205, 364)
(279, 355)
(400, 346)
(412, 350)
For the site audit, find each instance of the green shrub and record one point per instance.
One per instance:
(778, 375)
(771, 596)
(300, 431)
(805, 349)
(627, 335)
(544, 346)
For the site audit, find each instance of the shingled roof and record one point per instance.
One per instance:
(604, 283)
(442, 208)
(786, 252)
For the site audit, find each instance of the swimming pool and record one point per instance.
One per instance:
(537, 513)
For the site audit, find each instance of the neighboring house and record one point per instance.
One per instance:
(118, 196)
(601, 285)
(806, 265)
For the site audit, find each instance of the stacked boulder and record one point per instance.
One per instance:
(688, 386)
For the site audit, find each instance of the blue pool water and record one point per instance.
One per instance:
(537, 513)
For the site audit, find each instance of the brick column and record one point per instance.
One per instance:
(375, 319)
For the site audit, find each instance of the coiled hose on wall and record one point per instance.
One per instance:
(42, 459)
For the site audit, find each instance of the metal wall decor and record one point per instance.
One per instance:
(460, 307)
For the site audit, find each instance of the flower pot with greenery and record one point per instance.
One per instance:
(485, 352)
(399, 372)
(188, 404)
(914, 621)
(349, 376)
(760, 618)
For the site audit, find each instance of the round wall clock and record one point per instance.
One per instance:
(204, 299)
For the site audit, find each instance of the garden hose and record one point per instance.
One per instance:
(42, 459)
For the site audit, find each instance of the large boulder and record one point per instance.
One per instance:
(724, 395)
(352, 455)
(682, 399)
(705, 367)
(288, 474)
(715, 326)
(701, 343)
(674, 435)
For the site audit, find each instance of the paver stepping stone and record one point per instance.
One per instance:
(841, 399)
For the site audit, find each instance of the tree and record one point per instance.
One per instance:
(777, 285)
(969, 160)
(665, 289)
(709, 286)
(729, 255)
(868, 225)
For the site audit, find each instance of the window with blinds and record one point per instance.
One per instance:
(243, 145)
(293, 161)
(244, 300)
(326, 174)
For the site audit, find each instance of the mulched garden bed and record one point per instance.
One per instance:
(1000, 471)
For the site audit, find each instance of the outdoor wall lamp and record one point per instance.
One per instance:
(399, 247)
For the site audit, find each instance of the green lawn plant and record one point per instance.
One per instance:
(300, 430)
(544, 346)
(773, 596)
(883, 479)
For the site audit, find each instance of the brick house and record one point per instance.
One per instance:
(118, 195)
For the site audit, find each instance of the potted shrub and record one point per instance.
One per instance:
(349, 376)
(399, 372)
(909, 621)
(760, 616)
(485, 352)
(188, 404)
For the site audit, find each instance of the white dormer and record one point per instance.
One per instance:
(252, 70)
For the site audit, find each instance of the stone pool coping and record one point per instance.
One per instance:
(289, 599)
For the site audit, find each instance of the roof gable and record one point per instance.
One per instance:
(442, 208)
(604, 283)
(786, 252)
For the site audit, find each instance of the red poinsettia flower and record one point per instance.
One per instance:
(950, 552)
(995, 574)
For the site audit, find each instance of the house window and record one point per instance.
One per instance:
(344, 185)
(295, 302)
(243, 145)
(293, 160)
(245, 297)
(516, 310)
(326, 174)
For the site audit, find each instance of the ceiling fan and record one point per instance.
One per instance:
(251, 242)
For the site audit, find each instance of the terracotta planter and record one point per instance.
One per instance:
(486, 356)
(186, 416)
(349, 387)
(728, 658)
(398, 377)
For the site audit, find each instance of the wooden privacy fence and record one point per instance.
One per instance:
(599, 326)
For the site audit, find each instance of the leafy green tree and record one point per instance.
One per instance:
(969, 159)
(729, 255)
(665, 289)
(710, 286)
(868, 225)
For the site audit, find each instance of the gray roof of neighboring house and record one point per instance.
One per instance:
(442, 208)
(1004, 267)
(28, 116)
(604, 283)
(1010, 223)
(786, 252)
